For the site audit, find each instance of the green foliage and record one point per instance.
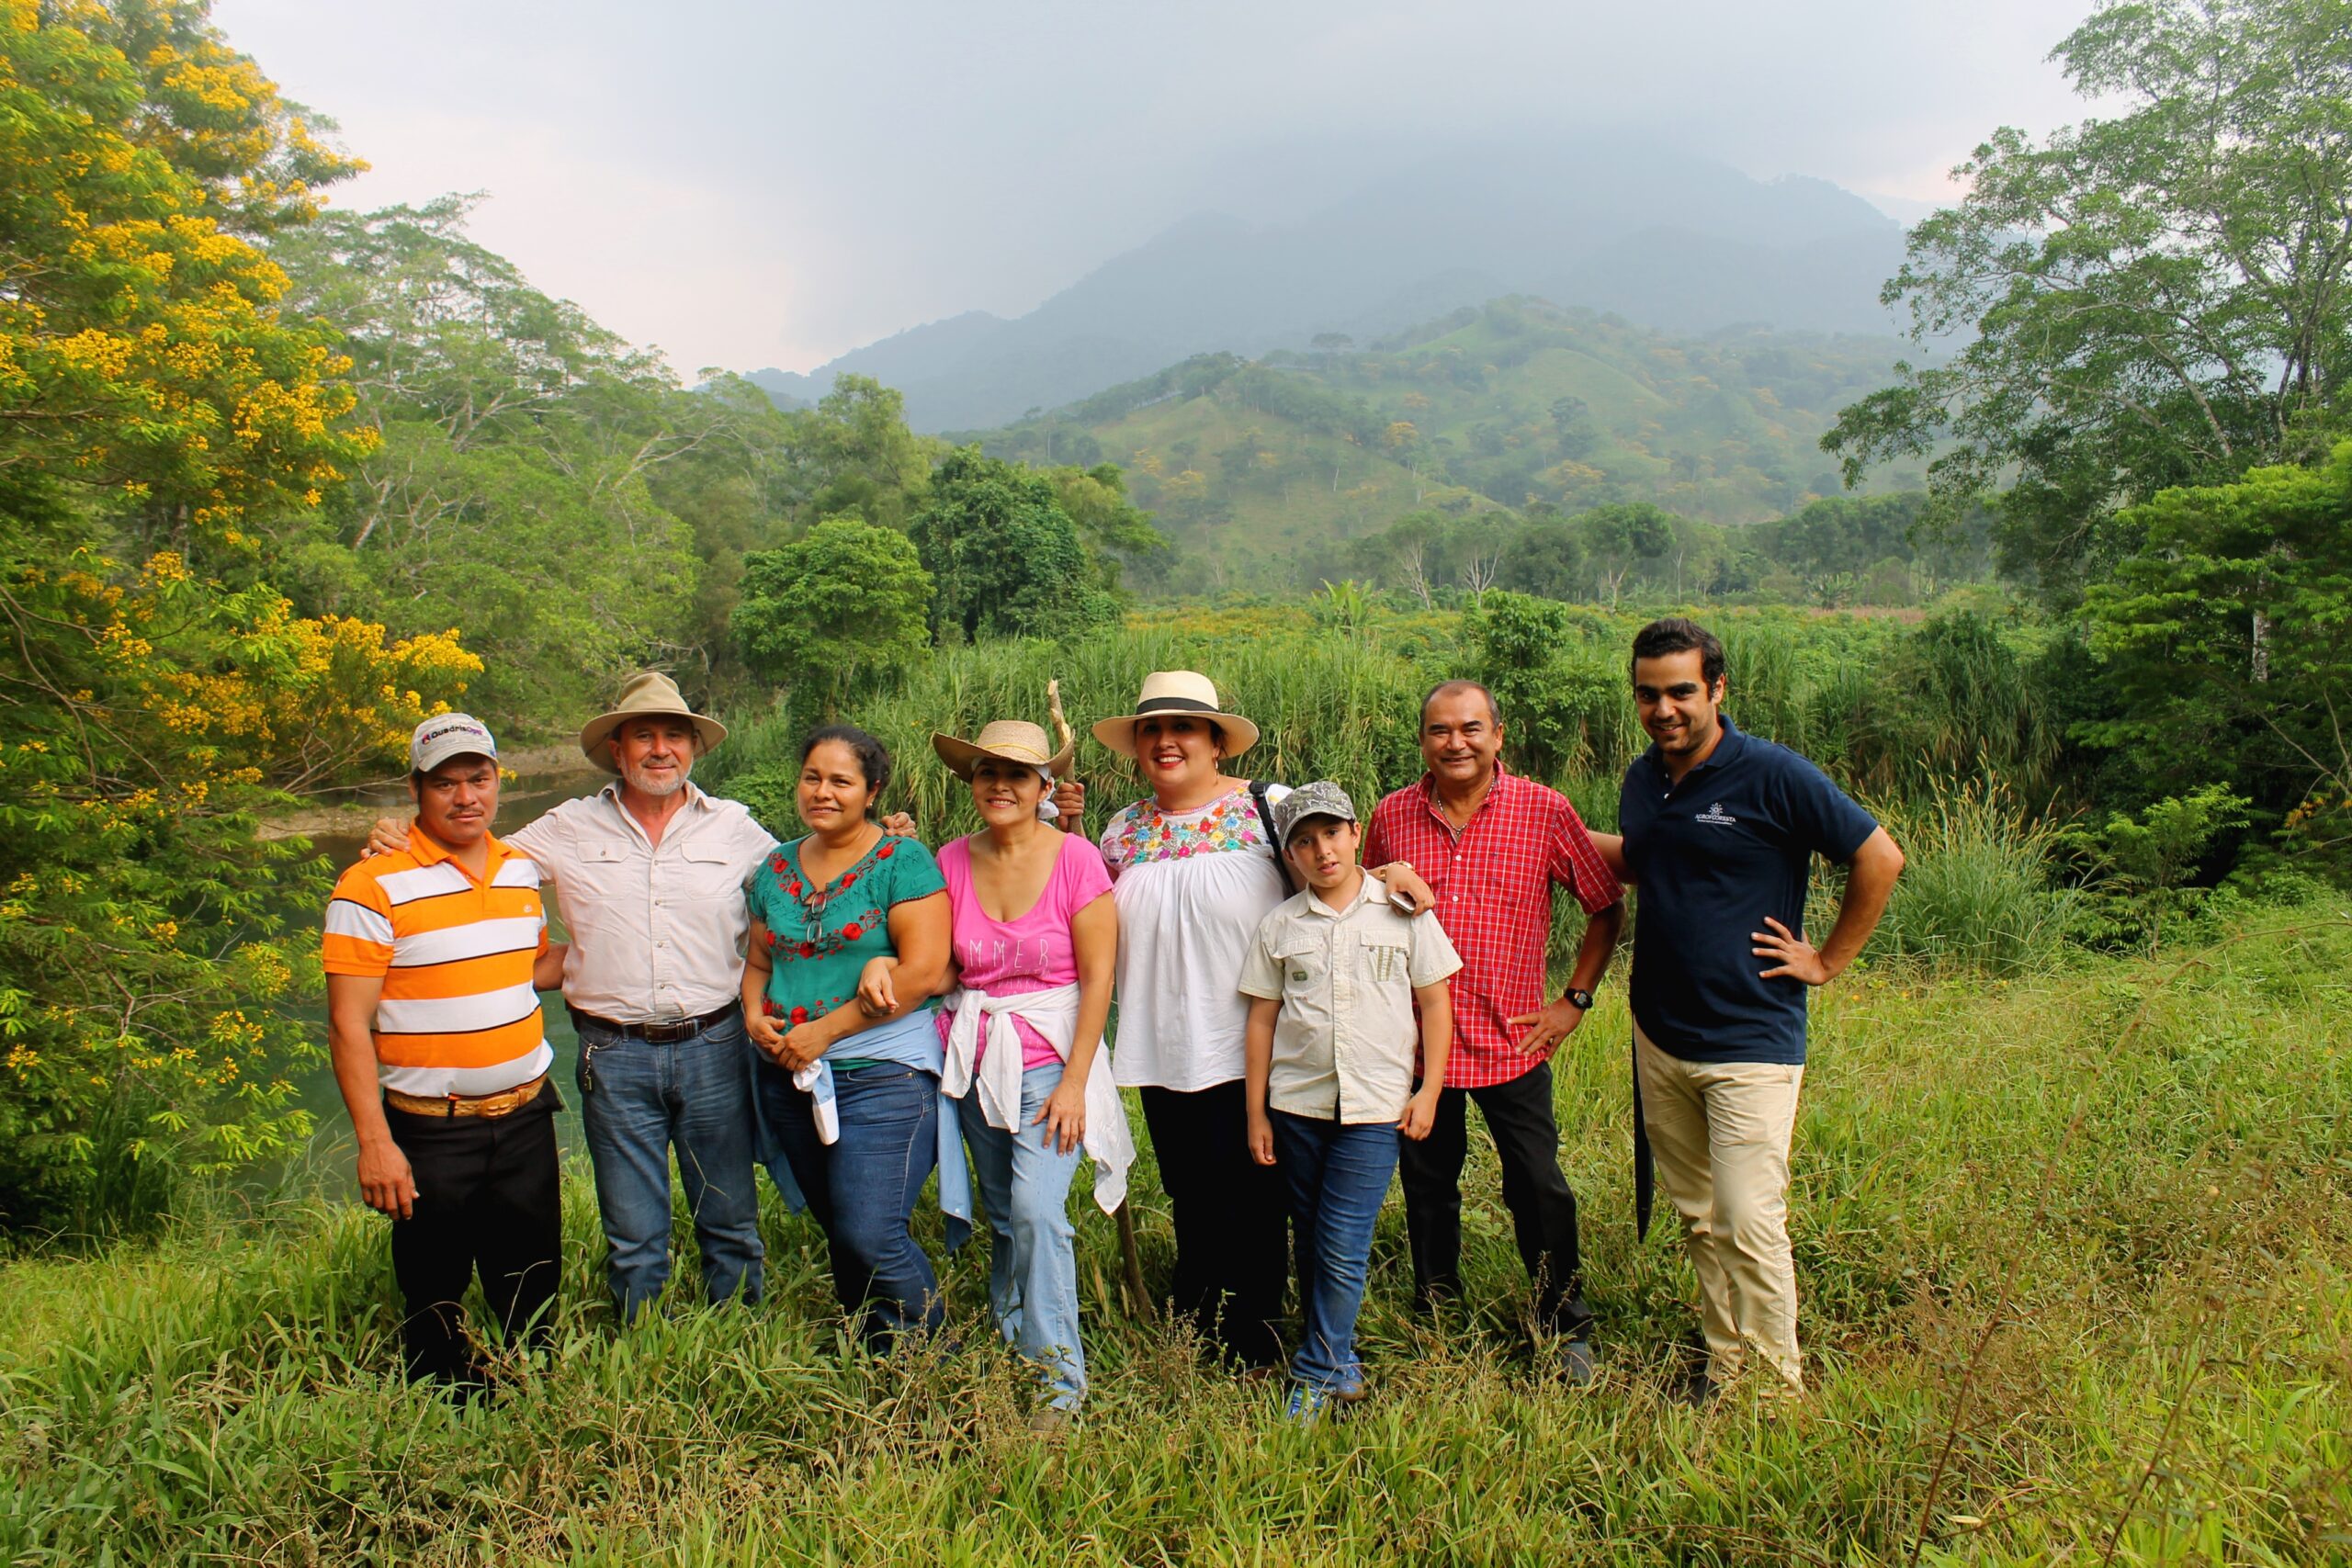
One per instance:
(1545, 559)
(2138, 865)
(2158, 297)
(1958, 698)
(2226, 644)
(1343, 607)
(837, 614)
(513, 490)
(1116, 532)
(1564, 707)
(1976, 895)
(1005, 557)
(854, 453)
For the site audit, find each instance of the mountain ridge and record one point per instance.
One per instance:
(1668, 241)
(1270, 473)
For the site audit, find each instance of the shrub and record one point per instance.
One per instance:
(1975, 891)
(2137, 867)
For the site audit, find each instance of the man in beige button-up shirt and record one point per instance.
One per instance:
(648, 875)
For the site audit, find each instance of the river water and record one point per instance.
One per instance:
(328, 1159)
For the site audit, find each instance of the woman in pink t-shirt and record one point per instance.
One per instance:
(1037, 941)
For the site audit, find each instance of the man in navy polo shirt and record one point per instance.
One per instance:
(1720, 831)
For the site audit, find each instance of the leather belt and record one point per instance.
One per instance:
(505, 1102)
(658, 1034)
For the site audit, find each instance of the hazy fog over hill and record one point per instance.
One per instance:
(1665, 239)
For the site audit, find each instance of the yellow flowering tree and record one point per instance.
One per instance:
(157, 408)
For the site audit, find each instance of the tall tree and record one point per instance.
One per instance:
(836, 612)
(2228, 645)
(513, 491)
(1007, 559)
(158, 412)
(2155, 299)
(852, 452)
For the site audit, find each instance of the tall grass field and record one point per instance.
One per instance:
(2076, 1249)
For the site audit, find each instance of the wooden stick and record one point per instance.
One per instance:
(1130, 1254)
(1131, 1262)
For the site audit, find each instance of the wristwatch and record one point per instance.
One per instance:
(1581, 1000)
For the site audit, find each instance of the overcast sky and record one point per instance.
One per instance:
(749, 183)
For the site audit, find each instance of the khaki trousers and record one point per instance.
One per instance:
(1719, 1137)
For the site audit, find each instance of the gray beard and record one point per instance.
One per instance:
(660, 789)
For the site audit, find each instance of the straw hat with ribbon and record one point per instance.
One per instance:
(1014, 740)
(648, 695)
(1168, 691)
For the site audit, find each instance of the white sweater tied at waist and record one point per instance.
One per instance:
(1052, 1013)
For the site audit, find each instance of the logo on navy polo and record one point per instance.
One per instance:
(1715, 816)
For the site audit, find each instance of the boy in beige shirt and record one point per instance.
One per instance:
(1334, 979)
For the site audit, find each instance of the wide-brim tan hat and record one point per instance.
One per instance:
(1013, 740)
(1175, 692)
(648, 695)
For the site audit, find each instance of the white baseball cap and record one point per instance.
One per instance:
(447, 735)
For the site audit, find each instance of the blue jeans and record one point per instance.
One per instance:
(861, 1190)
(637, 1099)
(1338, 1174)
(1032, 1267)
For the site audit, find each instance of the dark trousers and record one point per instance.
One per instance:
(1543, 1209)
(1232, 1219)
(487, 1202)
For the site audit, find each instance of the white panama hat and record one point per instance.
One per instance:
(1177, 691)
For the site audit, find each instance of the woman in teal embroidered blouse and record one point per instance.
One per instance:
(850, 941)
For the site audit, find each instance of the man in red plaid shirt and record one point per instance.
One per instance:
(1492, 846)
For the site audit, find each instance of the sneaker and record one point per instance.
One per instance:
(1051, 1421)
(1574, 1365)
(1306, 1406)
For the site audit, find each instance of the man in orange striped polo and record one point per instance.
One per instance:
(435, 958)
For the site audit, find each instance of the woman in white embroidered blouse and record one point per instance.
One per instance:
(1194, 871)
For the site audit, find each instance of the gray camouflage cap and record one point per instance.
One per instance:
(1321, 799)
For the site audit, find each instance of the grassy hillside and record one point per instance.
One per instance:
(1261, 471)
(2077, 1266)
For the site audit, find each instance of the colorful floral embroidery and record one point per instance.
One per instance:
(803, 928)
(1143, 833)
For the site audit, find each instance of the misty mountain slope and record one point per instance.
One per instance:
(1661, 238)
(1262, 473)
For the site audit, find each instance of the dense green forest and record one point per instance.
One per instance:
(1270, 475)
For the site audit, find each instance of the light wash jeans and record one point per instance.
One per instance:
(1339, 1175)
(1032, 1267)
(637, 1100)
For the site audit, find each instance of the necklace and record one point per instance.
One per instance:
(814, 900)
